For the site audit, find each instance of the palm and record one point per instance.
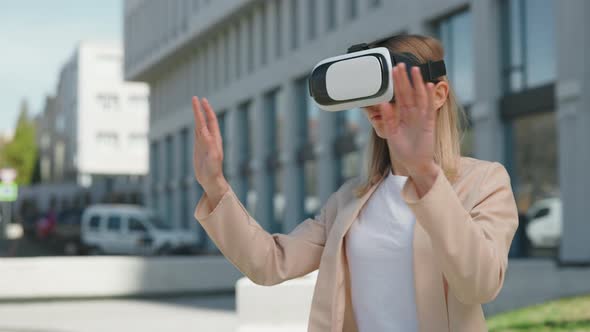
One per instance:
(410, 134)
(208, 148)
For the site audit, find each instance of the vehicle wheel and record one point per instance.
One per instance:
(95, 251)
(71, 249)
(164, 250)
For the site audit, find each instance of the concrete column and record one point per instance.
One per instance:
(292, 172)
(573, 116)
(488, 128)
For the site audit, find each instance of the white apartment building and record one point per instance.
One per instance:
(105, 119)
(93, 134)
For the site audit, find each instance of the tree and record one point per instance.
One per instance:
(21, 152)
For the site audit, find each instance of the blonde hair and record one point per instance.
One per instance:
(447, 151)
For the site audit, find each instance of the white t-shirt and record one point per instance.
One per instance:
(380, 256)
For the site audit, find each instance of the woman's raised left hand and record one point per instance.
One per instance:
(411, 136)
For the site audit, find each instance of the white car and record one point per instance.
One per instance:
(545, 223)
(131, 230)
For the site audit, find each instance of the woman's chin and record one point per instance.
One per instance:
(379, 133)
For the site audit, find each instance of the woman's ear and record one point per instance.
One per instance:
(441, 92)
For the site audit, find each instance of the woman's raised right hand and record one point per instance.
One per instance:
(208, 151)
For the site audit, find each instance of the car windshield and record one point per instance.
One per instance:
(158, 222)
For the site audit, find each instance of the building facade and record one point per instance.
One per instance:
(508, 61)
(92, 136)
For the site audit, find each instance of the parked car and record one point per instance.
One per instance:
(545, 224)
(132, 230)
(66, 234)
(45, 225)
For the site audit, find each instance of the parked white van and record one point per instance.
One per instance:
(131, 230)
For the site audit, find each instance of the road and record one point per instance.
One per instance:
(203, 314)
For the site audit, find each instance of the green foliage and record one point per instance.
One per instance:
(21, 152)
(568, 314)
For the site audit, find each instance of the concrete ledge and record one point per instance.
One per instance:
(111, 276)
(284, 307)
(532, 281)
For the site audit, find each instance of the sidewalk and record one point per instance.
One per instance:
(205, 313)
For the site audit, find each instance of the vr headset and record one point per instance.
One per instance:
(362, 77)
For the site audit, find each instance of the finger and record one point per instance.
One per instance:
(406, 98)
(200, 125)
(398, 93)
(420, 96)
(431, 111)
(212, 123)
(389, 119)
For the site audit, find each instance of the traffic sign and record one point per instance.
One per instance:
(7, 175)
(8, 192)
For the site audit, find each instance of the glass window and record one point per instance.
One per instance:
(349, 125)
(279, 134)
(349, 122)
(528, 36)
(107, 139)
(534, 154)
(114, 223)
(294, 23)
(226, 50)
(185, 153)
(278, 27)
(238, 49)
(374, 3)
(184, 208)
(169, 216)
(94, 223)
(250, 40)
(154, 169)
(169, 156)
(353, 8)
(310, 129)
(246, 148)
(273, 113)
(137, 139)
(135, 225)
(263, 33)
(221, 121)
(331, 14)
(312, 19)
(456, 34)
(108, 101)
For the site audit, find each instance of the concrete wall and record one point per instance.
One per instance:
(71, 277)
(532, 281)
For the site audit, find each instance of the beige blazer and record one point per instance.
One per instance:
(461, 239)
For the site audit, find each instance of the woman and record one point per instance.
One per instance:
(417, 243)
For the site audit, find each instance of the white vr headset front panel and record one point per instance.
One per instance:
(354, 78)
(358, 76)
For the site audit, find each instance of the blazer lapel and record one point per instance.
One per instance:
(428, 281)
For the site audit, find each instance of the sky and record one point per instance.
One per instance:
(37, 39)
